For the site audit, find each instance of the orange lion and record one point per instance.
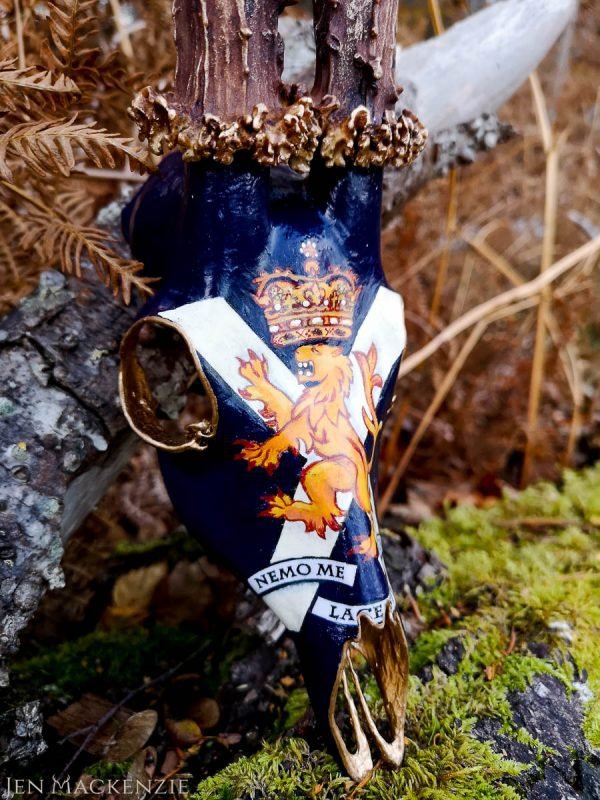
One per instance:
(320, 420)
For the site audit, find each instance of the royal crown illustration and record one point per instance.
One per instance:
(303, 308)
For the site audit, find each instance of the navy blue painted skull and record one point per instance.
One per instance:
(276, 285)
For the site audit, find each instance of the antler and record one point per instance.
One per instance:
(229, 59)
(229, 95)
(356, 45)
(356, 52)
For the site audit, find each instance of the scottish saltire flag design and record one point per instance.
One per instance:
(311, 545)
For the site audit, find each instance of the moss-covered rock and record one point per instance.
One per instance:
(505, 685)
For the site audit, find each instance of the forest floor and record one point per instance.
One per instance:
(504, 697)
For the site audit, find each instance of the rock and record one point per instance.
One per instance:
(555, 719)
(590, 779)
(553, 787)
(450, 656)
(21, 733)
(567, 770)
(409, 566)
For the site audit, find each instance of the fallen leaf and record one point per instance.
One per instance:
(185, 595)
(133, 591)
(133, 735)
(171, 762)
(229, 739)
(185, 732)
(205, 712)
(140, 775)
(75, 721)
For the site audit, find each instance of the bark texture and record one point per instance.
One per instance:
(63, 438)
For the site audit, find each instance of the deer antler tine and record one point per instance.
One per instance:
(391, 752)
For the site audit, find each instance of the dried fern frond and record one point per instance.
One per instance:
(17, 86)
(112, 74)
(73, 244)
(73, 26)
(76, 204)
(53, 236)
(51, 147)
(12, 220)
(8, 262)
(64, 90)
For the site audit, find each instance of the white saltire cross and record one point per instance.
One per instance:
(221, 336)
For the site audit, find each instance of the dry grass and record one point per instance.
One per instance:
(514, 400)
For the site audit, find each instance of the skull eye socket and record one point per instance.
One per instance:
(165, 395)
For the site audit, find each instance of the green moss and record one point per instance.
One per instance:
(288, 770)
(102, 660)
(295, 708)
(427, 646)
(535, 580)
(510, 581)
(110, 662)
(108, 770)
(180, 544)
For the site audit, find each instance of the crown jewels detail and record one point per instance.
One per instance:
(303, 308)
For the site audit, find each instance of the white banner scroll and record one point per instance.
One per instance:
(297, 570)
(341, 614)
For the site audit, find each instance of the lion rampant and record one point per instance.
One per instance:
(320, 420)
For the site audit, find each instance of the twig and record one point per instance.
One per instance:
(437, 22)
(537, 523)
(19, 32)
(123, 33)
(361, 785)
(541, 112)
(570, 365)
(414, 606)
(489, 307)
(389, 445)
(570, 355)
(464, 284)
(435, 14)
(496, 259)
(415, 268)
(511, 644)
(442, 270)
(551, 148)
(106, 718)
(432, 410)
(109, 174)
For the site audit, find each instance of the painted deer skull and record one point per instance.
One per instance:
(274, 284)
